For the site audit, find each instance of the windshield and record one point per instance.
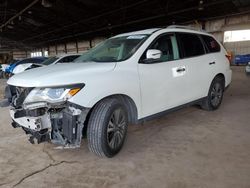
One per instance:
(114, 49)
(50, 60)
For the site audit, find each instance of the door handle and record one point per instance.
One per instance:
(181, 70)
(212, 63)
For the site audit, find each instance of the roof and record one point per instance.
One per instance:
(171, 28)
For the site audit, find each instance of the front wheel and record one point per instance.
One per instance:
(215, 95)
(107, 127)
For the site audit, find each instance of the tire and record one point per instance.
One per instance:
(107, 127)
(215, 95)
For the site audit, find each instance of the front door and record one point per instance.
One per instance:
(163, 83)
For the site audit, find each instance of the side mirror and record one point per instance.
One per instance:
(153, 56)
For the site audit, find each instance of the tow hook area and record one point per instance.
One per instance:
(41, 136)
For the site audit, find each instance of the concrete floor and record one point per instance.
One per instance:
(186, 149)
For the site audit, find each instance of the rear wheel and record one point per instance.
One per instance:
(215, 95)
(107, 127)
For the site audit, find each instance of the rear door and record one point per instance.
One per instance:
(193, 52)
(216, 60)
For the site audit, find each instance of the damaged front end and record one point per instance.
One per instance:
(47, 115)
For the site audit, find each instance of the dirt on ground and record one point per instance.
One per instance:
(186, 149)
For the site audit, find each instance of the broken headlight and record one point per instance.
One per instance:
(51, 95)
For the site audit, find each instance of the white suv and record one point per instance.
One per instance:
(129, 78)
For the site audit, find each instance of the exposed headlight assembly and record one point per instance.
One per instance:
(53, 95)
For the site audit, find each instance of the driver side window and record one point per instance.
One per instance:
(167, 44)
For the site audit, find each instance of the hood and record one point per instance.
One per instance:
(20, 68)
(59, 74)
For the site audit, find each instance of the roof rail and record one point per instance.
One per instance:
(185, 27)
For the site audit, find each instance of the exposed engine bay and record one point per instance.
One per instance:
(60, 123)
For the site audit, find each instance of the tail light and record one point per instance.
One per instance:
(229, 57)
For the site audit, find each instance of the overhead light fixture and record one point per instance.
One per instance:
(200, 6)
(46, 3)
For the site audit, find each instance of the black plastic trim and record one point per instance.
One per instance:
(160, 114)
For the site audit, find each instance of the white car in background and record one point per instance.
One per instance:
(4, 66)
(66, 58)
(129, 78)
(248, 69)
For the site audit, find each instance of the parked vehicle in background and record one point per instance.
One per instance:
(67, 58)
(4, 74)
(3, 67)
(248, 69)
(241, 59)
(35, 60)
(129, 78)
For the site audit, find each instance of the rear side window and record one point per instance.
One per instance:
(211, 44)
(190, 45)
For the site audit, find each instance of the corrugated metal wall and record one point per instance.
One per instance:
(68, 48)
(238, 48)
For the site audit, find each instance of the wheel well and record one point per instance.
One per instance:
(221, 76)
(128, 103)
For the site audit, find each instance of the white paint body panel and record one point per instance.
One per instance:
(153, 87)
(20, 68)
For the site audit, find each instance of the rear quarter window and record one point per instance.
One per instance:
(211, 44)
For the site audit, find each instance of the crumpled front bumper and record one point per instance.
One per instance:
(32, 123)
(61, 124)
